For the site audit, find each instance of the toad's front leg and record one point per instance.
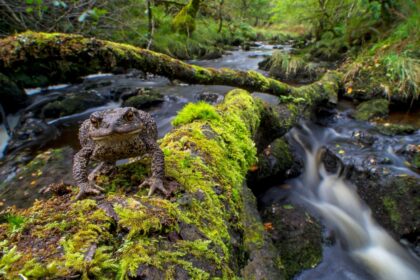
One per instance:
(80, 165)
(158, 169)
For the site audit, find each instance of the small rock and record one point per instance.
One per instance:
(371, 109)
(142, 98)
(210, 97)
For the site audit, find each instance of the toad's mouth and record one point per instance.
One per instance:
(116, 134)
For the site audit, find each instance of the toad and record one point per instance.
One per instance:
(114, 134)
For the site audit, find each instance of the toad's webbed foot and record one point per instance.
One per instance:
(154, 183)
(88, 189)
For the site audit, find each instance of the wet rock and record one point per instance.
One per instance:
(97, 84)
(264, 261)
(30, 133)
(296, 235)
(391, 129)
(12, 96)
(50, 168)
(246, 46)
(275, 163)
(212, 54)
(210, 97)
(142, 98)
(393, 197)
(412, 153)
(371, 109)
(72, 103)
(135, 73)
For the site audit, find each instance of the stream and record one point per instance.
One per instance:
(363, 249)
(360, 239)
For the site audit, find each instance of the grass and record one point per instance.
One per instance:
(290, 65)
(393, 61)
(404, 72)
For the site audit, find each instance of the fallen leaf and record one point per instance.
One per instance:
(253, 168)
(268, 226)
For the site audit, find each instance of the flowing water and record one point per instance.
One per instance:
(342, 210)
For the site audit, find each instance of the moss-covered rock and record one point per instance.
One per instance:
(142, 98)
(296, 235)
(275, 163)
(72, 103)
(264, 261)
(189, 236)
(396, 203)
(392, 129)
(291, 68)
(371, 109)
(393, 197)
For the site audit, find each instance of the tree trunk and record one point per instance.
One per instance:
(184, 21)
(151, 24)
(220, 14)
(41, 59)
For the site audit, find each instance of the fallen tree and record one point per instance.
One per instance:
(40, 59)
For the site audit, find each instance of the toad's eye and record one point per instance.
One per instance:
(129, 116)
(95, 121)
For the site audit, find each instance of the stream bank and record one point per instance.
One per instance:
(175, 97)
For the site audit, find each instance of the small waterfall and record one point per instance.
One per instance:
(343, 211)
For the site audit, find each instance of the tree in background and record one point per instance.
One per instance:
(354, 20)
(184, 21)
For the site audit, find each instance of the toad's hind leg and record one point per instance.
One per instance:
(104, 168)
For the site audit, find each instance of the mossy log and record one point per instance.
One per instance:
(41, 59)
(204, 230)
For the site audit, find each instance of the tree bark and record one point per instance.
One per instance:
(220, 15)
(41, 59)
(151, 24)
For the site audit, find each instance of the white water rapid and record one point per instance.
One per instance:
(343, 212)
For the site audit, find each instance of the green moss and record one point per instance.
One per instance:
(416, 160)
(127, 177)
(372, 109)
(394, 129)
(392, 209)
(253, 227)
(197, 111)
(8, 258)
